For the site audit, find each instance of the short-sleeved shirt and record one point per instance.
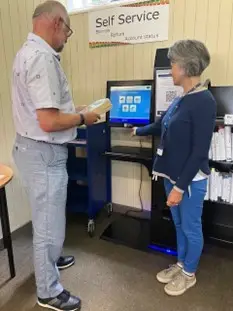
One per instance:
(39, 82)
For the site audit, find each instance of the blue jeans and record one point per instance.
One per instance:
(187, 219)
(42, 168)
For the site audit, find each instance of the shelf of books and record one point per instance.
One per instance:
(220, 182)
(218, 207)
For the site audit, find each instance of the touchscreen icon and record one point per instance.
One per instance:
(137, 99)
(133, 108)
(125, 108)
(129, 99)
(122, 99)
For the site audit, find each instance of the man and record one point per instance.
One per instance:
(45, 120)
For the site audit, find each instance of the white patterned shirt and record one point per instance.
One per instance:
(39, 82)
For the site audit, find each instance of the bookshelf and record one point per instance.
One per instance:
(218, 205)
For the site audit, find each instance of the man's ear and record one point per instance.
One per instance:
(57, 22)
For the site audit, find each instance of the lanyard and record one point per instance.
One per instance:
(169, 114)
(175, 105)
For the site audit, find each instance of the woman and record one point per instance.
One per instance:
(182, 159)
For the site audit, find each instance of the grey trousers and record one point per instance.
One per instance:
(42, 168)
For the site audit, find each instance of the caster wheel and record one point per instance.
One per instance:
(91, 228)
(109, 209)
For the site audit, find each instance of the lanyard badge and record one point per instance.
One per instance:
(160, 152)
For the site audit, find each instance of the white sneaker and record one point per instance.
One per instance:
(167, 275)
(180, 284)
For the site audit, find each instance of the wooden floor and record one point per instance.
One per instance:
(110, 277)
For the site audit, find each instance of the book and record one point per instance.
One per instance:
(228, 143)
(220, 187)
(100, 106)
(221, 148)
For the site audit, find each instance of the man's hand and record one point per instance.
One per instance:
(90, 118)
(174, 198)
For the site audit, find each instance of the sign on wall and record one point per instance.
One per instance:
(129, 24)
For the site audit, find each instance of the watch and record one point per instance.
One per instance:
(82, 119)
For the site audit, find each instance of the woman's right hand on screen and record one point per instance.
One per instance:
(133, 131)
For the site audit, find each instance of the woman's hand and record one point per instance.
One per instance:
(174, 198)
(133, 131)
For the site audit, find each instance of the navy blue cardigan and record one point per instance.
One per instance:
(187, 140)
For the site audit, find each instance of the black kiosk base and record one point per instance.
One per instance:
(130, 229)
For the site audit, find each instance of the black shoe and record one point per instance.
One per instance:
(65, 262)
(63, 302)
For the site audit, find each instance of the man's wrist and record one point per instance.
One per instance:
(82, 119)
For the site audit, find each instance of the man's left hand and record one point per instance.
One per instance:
(174, 198)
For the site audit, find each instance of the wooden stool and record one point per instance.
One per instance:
(6, 174)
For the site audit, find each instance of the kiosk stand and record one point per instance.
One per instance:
(133, 105)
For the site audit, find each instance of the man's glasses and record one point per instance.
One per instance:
(70, 31)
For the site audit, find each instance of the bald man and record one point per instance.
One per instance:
(46, 120)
